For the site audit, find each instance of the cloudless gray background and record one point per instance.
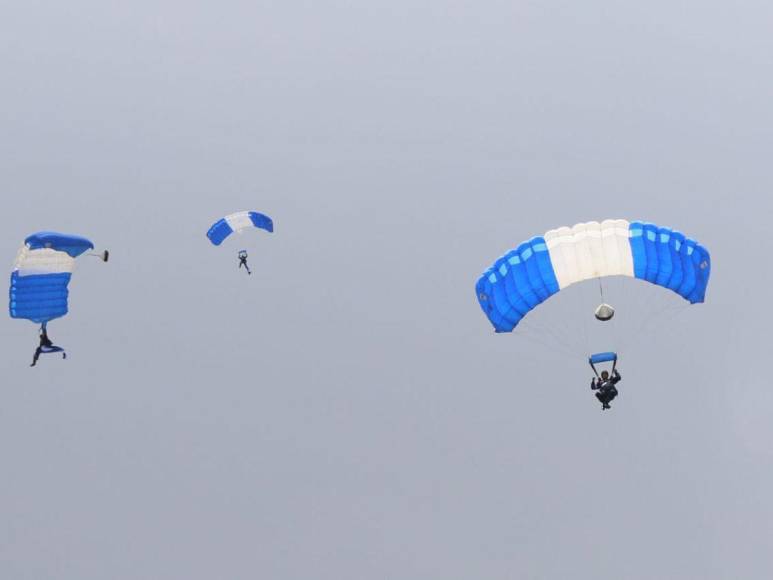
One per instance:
(347, 412)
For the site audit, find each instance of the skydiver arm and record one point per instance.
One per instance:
(593, 384)
(616, 376)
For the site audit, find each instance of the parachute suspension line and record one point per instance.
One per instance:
(550, 329)
(574, 338)
(658, 309)
(627, 295)
(547, 336)
(537, 336)
(599, 336)
(621, 295)
(585, 321)
(614, 322)
(550, 338)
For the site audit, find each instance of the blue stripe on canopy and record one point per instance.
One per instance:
(72, 245)
(39, 298)
(219, 231)
(516, 283)
(667, 258)
(262, 221)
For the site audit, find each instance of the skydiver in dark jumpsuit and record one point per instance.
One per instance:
(605, 385)
(46, 346)
(243, 261)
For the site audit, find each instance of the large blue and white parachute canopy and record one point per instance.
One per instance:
(41, 273)
(538, 268)
(238, 222)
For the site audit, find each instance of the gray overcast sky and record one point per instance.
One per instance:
(347, 412)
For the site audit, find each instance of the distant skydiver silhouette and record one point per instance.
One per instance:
(243, 260)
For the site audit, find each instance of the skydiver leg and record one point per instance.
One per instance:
(609, 395)
(36, 357)
(604, 398)
(53, 349)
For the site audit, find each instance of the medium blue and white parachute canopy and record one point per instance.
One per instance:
(538, 268)
(41, 273)
(238, 222)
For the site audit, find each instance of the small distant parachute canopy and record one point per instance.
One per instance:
(41, 273)
(604, 312)
(529, 274)
(238, 222)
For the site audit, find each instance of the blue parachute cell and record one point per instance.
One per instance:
(528, 275)
(238, 222)
(41, 274)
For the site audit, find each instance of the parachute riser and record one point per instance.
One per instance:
(601, 357)
(614, 364)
